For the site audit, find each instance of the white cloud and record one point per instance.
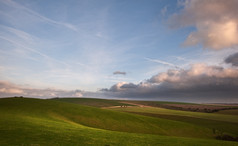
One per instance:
(216, 22)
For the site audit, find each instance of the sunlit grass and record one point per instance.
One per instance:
(44, 122)
(156, 110)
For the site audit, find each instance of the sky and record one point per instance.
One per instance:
(183, 50)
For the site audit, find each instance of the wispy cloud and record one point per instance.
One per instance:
(33, 50)
(22, 35)
(164, 10)
(181, 58)
(16, 5)
(113, 78)
(162, 62)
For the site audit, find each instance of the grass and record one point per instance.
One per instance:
(100, 118)
(218, 122)
(207, 108)
(156, 110)
(26, 121)
(229, 112)
(157, 103)
(92, 102)
(217, 126)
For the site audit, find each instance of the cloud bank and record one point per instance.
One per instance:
(8, 89)
(198, 83)
(216, 22)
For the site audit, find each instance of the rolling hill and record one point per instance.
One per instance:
(27, 121)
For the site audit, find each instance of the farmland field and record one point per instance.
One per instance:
(229, 112)
(27, 121)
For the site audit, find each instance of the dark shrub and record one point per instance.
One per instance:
(227, 137)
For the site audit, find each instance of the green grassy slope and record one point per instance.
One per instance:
(229, 112)
(44, 122)
(221, 122)
(207, 108)
(92, 101)
(211, 116)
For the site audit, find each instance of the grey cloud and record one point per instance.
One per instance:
(215, 22)
(130, 85)
(199, 83)
(104, 90)
(119, 73)
(232, 59)
(122, 86)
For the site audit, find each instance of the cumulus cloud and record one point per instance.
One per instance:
(216, 22)
(232, 59)
(198, 83)
(8, 89)
(119, 73)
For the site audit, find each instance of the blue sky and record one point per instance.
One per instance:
(79, 44)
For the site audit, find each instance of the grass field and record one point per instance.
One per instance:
(92, 102)
(208, 108)
(27, 121)
(229, 112)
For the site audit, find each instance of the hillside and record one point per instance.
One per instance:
(26, 121)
